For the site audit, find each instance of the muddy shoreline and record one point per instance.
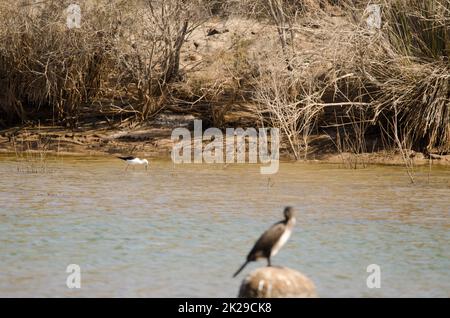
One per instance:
(154, 141)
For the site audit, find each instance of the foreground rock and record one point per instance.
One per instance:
(277, 282)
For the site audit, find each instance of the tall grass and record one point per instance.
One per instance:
(126, 60)
(122, 58)
(401, 71)
(411, 75)
(419, 28)
(46, 68)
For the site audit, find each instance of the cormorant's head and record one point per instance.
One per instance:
(288, 212)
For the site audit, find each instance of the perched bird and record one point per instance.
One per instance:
(134, 161)
(272, 240)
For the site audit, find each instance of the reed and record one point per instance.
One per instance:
(51, 71)
(120, 61)
(319, 75)
(31, 155)
(401, 70)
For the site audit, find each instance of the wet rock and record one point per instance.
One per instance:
(277, 282)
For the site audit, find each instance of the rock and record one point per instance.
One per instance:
(277, 282)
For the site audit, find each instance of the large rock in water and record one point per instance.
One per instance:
(277, 282)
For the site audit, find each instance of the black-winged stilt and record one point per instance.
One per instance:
(134, 161)
(272, 240)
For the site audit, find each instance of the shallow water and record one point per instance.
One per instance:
(183, 230)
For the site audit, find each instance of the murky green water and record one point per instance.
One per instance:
(183, 230)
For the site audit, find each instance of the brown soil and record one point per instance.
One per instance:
(153, 140)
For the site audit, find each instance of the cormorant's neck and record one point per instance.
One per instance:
(290, 220)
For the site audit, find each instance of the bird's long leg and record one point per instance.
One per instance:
(126, 168)
(268, 261)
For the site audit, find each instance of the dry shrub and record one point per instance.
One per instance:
(122, 58)
(406, 71)
(150, 47)
(46, 67)
(261, 8)
(315, 72)
(288, 100)
(220, 87)
(354, 79)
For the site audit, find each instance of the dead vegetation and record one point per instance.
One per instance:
(306, 67)
(31, 154)
(120, 61)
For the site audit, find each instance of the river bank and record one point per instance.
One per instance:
(104, 88)
(153, 140)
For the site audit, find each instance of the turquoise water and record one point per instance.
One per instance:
(183, 230)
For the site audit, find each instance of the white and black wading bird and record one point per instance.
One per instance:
(134, 161)
(272, 240)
